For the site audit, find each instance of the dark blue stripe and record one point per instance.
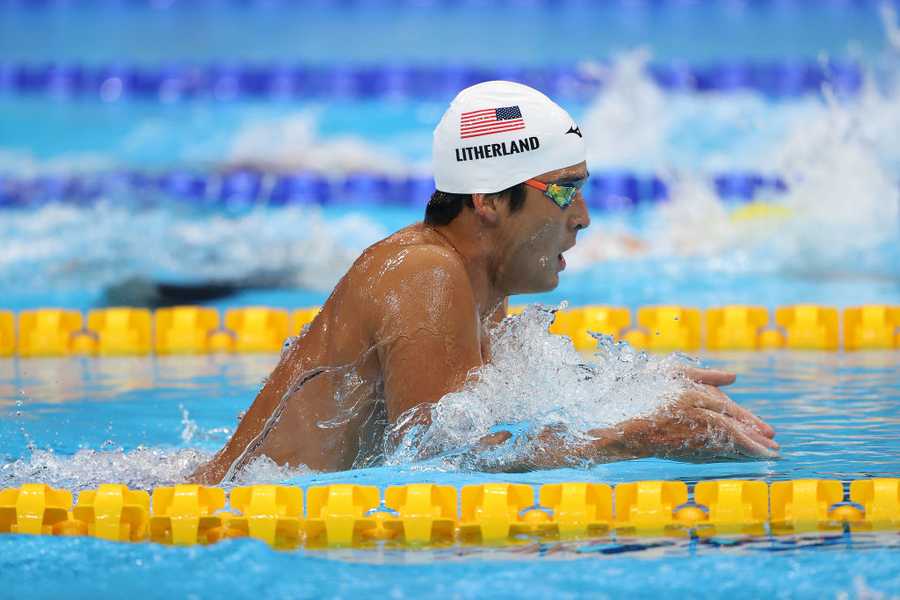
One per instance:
(242, 189)
(258, 81)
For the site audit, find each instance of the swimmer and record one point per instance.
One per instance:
(407, 324)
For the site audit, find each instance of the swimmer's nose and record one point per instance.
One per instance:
(578, 217)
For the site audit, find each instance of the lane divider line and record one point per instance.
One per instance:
(426, 514)
(201, 330)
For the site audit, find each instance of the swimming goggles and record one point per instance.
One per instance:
(562, 194)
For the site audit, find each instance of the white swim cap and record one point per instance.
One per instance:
(497, 134)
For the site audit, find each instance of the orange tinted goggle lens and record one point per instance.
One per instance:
(562, 194)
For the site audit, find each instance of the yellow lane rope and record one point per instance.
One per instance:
(197, 329)
(425, 514)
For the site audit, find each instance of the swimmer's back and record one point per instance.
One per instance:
(323, 404)
(355, 312)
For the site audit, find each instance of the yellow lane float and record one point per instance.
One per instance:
(668, 328)
(271, 513)
(185, 514)
(734, 506)
(424, 514)
(257, 328)
(196, 329)
(121, 330)
(47, 332)
(809, 327)
(649, 506)
(578, 509)
(34, 508)
(7, 333)
(575, 323)
(492, 512)
(185, 329)
(872, 327)
(340, 514)
(735, 327)
(804, 504)
(113, 512)
(880, 500)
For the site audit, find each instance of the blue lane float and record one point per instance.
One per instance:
(223, 82)
(247, 188)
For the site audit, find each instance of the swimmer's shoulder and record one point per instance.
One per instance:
(411, 266)
(410, 252)
(411, 274)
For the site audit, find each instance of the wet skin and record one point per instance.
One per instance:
(408, 323)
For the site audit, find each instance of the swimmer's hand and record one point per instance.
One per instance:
(709, 376)
(702, 424)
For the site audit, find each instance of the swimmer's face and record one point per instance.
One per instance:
(532, 240)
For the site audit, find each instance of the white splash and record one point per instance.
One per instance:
(535, 380)
(189, 427)
(292, 143)
(634, 124)
(60, 246)
(141, 468)
(838, 156)
(630, 118)
(26, 165)
(264, 470)
(891, 24)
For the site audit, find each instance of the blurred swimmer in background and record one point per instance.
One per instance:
(408, 323)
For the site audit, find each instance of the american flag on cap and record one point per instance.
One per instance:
(488, 121)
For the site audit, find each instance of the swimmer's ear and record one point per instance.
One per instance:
(485, 206)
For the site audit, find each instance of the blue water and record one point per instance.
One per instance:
(244, 569)
(76, 423)
(835, 414)
(382, 32)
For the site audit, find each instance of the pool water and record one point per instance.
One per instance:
(835, 414)
(76, 423)
(694, 248)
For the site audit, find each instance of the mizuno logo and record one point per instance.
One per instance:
(575, 130)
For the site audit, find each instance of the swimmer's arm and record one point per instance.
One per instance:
(701, 424)
(427, 333)
(554, 448)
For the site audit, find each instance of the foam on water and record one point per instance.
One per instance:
(841, 205)
(838, 156)
(59, 246)
(635, 124)
(537, 380)
(628, 123)
(141, 468)
(292, 143)
(24, 164)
